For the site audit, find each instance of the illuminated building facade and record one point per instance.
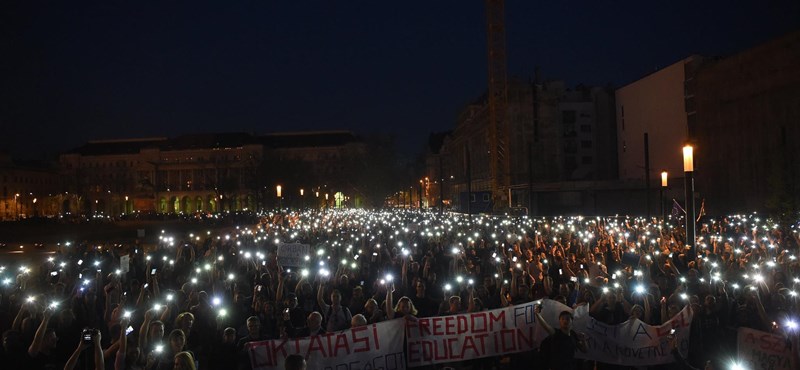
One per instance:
(206, 172)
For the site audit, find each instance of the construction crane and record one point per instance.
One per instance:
(499, 130)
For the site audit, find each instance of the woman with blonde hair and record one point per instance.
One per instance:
(405, 308)
(184, 361)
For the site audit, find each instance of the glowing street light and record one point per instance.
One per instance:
(688, 169)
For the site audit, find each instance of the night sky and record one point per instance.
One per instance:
(74, 71)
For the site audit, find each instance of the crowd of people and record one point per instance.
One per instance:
(194, 301)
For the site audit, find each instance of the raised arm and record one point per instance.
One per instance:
(119, 360)
(73, 360)
(647, 314)
(279, 289)
(549, 329)
(98, 351)
(17, 325)
(471, 303)
(389, 303)
(144, 330)
(36, 346)
(320, 296)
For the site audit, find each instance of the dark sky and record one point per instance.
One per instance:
(71, 71)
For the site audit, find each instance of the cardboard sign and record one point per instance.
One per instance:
(292, 254)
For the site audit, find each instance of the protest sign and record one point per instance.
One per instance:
(376, 346)
(759, 350)
(292, 254)
(125, 264)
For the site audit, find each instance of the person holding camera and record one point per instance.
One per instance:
(89, 338)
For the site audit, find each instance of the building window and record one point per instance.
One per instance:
(586, 144)
(586, 160)
(568, 117)
(586, 128)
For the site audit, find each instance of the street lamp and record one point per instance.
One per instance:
(302, 198)
(420, 194)
(661, 196)
(16, 206)
(688, 170)
(278, 191)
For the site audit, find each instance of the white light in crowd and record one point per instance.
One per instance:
(684, 296)
(639, 289)
(455, 250)
(169, 297)
(447, 287)
(127, 314)
(791, 324)
(194, 280)
(223, 312)
(231, 276)
(159, 348)
(459, 279)
(216, 301)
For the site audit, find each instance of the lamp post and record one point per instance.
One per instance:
(16, 206)
(420, 194)
(34, 207)
(326, 201)
(302, 198)
(661, 193)
(688, 170)
(278, 191)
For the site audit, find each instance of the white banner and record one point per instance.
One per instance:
(376, 346)
(632, 343)
(759, 350)
(442, 339)
(292, 254)
(514, 329)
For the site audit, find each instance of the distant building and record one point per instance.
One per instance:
(741, 113)
(29, 189)
(748, 128)
(211, 172)
(557, 134)
(661, 105)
